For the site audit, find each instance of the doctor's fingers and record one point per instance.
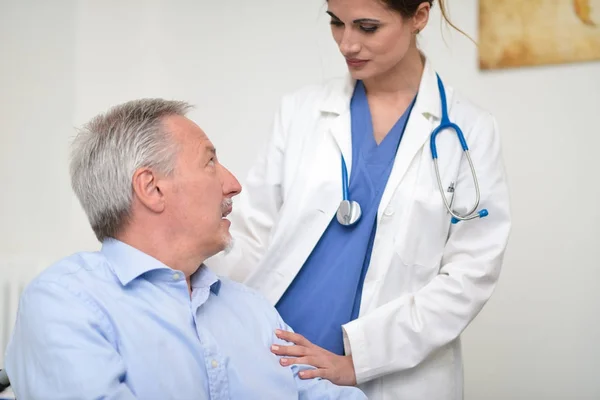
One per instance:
(295, 338)
(312, 361)
(294, 351)
(315, 373)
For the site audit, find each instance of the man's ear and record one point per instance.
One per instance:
(147, 190)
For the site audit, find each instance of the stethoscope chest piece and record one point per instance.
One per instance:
(348, 212)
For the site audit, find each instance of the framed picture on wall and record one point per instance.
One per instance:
(515, 33)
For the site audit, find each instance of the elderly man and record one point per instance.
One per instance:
(143, 318)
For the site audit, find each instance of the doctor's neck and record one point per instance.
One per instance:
(402, 79)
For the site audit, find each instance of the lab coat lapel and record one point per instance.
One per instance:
(418, 130)
(340, 129)
(336, 105)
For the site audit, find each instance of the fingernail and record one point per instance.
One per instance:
(284, 361)
(274, 347)
(302, 373)
(277, 331)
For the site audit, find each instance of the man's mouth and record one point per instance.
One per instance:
(226, 208)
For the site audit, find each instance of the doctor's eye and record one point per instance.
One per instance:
(369, 28)
(336, 22)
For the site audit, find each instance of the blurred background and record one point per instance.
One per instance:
(64, 61)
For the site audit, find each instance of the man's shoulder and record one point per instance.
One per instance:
(74, 272)
(66, 291)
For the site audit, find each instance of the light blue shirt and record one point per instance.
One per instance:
(335, 271)
(119, 324)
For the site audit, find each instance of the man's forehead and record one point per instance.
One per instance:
(185, 129)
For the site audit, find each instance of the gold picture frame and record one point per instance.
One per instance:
(515, 33)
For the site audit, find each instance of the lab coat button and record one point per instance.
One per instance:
(389, 211)
(214, 363)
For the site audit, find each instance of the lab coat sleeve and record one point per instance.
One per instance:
(400, 334)
(255, 210)
(60, 348)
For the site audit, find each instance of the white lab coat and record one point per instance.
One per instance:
(427, 279)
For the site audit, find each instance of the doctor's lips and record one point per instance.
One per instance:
(355, 62)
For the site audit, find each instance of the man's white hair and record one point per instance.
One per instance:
(110, 148)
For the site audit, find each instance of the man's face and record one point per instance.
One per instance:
(199, 192)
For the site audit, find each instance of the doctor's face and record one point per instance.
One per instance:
(199, 193)
(372, 37)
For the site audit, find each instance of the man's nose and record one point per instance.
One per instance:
(231, 186)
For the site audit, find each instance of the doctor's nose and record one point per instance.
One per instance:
(349, 45)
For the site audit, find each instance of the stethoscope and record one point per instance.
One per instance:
(349, 212)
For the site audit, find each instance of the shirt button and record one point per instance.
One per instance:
(214, 363)
(389, 211)
(175, 276)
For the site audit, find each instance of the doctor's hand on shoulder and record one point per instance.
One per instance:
(338, 369)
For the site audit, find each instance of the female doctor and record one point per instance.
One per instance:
(378, 296)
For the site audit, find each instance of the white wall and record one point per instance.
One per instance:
(63, 61)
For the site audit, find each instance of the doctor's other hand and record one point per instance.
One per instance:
(330, 366)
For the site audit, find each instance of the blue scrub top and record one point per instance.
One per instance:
(326, 292)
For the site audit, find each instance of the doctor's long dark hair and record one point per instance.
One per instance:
(408, 8)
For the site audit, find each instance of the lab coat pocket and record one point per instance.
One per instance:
(421, 241)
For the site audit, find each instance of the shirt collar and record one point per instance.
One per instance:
(205, 278)
(129, 263)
